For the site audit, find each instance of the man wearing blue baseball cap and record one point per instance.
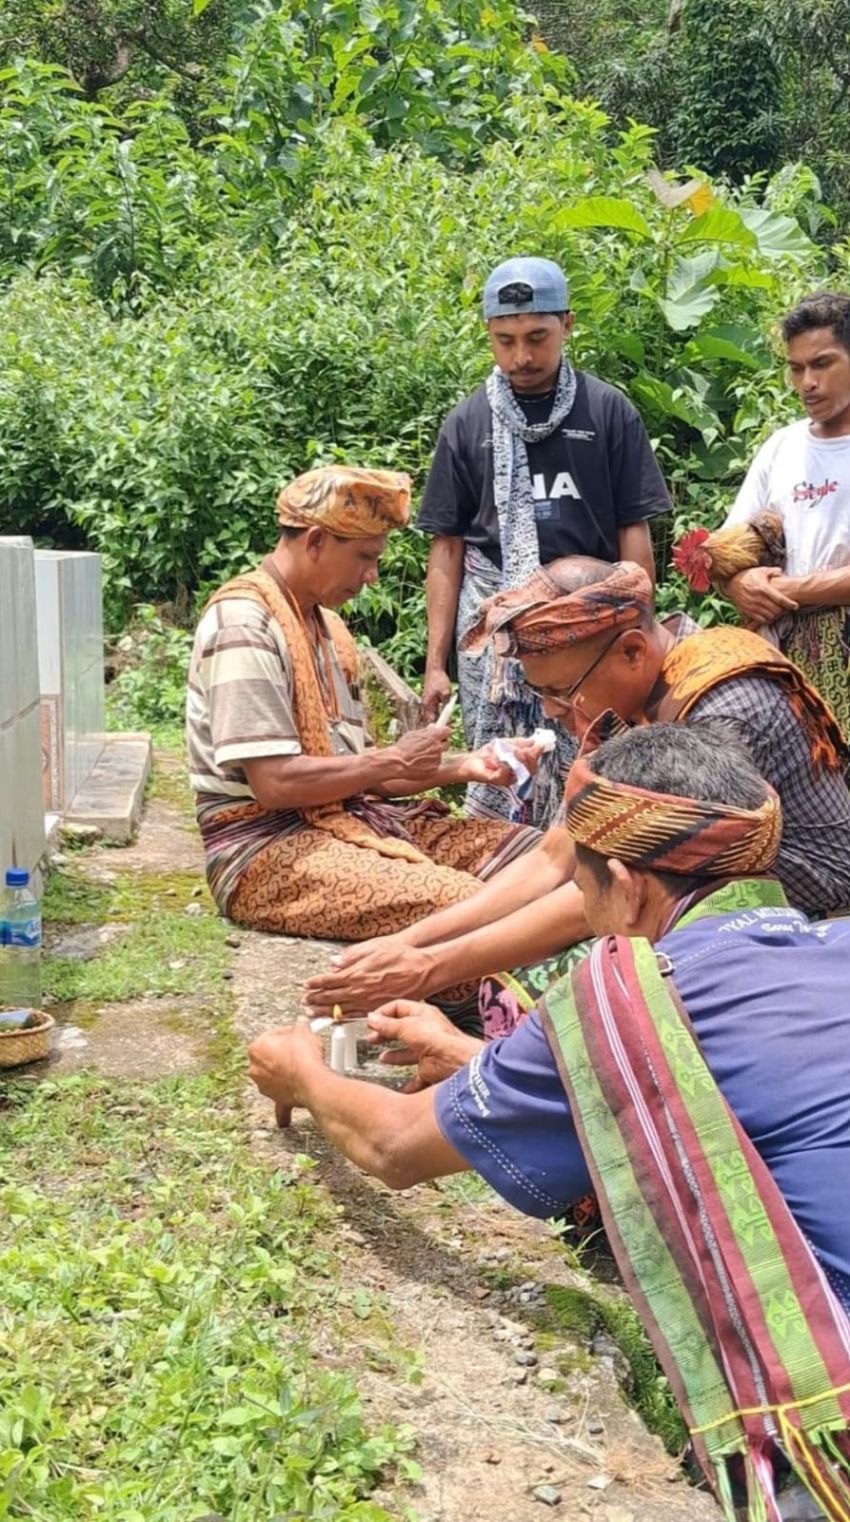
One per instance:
(540, 462)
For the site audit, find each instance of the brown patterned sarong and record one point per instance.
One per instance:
(312, 884)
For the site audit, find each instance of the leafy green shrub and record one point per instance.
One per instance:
(272, 316)
(149, 688)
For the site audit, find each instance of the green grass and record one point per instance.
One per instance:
(169, 783)
(70, 899)
(165, 951)
(159, 1288)
(167, 954)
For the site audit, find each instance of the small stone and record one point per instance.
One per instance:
(194, 910)
(197, 890)
(595, 1427)
(529, 1360)
(618, 1514)
(501, 1334)
(356, 1237)
(481, 1292)
(548, 1376)
(520, 1377)
(493, 1457)
(600, 1482)
(176, 965)
(491, 1317)
(501, 1255)
(555, 1415)
(548, 1494)
(233, 940)
(58, 860)
(227, 976)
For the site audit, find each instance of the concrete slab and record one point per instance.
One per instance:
(112, 795)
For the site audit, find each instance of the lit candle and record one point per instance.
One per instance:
(350, 1034)
(337, 1053)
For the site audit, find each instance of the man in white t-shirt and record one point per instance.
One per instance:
(803, 473)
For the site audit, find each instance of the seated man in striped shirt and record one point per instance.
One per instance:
(297, 811)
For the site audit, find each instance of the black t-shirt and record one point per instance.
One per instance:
(594, 475)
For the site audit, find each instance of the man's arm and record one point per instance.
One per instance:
(530, 934)
(373, 974)
(394, 1137)
(503, 925)
(445, 573)
(634, 542)
(820, 589)
(524, 881)
(302, 782)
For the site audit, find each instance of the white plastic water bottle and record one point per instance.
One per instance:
(20, 954)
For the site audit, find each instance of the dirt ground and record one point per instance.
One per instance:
(514, 1418)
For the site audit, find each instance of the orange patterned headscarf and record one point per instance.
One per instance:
(353, 503)
(541, 615)
(663, 833)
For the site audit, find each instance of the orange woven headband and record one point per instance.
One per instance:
(353, 503)
(661, 833)
(540, 616)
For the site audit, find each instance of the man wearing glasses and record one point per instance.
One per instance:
(542, 461)
(590, 645)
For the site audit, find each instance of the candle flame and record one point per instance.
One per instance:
(337, 1013)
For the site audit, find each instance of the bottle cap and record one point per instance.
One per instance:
(17, 877)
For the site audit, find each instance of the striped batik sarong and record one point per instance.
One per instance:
(754, 1343)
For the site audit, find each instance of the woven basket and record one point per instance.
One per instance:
(33, 1045)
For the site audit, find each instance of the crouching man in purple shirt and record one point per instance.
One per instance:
(694, 1072)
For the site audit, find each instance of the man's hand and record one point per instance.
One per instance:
(417, 755)
(758, 594)
(366, 976)
(274, 1062)
(484, 765)
(429, 1040)
(436, 691)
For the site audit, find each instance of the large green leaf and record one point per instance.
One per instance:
(604, 211)
(734, 342)
(720, 224)
(689, 295)
(682, 403)
(744, 276)
(777, 236)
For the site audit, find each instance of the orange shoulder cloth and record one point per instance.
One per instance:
(701, 661)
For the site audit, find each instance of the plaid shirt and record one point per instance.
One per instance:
(814, 857)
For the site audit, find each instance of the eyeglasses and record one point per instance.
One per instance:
(566, 695)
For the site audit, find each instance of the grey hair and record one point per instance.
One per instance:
(705, 760)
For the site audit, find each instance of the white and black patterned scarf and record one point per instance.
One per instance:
(494, 696)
